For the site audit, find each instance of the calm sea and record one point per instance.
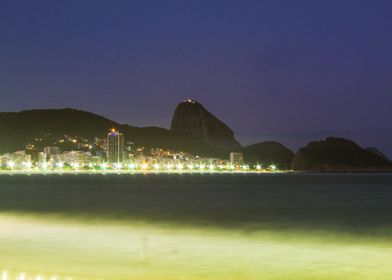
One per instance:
(183, 226)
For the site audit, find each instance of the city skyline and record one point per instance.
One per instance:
(47, 153)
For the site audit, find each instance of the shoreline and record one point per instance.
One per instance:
(116, 172)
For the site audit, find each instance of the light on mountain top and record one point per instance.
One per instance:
(188, 100)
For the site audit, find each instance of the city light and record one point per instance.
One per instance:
(10, 164)
(117, 165)
(156, 166)
(75, 165)
(27, 164)
(44, 165)
(180, 166)
(169, 166)
(144, 166)
(113, 155)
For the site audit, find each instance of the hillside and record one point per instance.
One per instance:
(20, 128)
(268, 153)
(338, 154)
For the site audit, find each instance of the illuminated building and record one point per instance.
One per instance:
(17, 160)
(42, 158)
(115, 146)
(72, 157)
(236, 158)
(52, 150)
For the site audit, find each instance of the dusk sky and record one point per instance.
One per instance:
(292, 71)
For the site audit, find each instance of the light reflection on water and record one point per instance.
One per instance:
(49, 228)
(46, 247)
(5, 275)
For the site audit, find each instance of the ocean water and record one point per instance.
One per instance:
(183, 226)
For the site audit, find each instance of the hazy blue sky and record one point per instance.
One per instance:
(285, 70)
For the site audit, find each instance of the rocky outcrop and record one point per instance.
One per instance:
(268, 153)
(191, 118)
(338, 154)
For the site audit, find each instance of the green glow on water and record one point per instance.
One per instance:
(51, 245)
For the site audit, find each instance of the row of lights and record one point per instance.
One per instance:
(146, 166)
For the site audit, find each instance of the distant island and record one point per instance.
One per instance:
(194, 131)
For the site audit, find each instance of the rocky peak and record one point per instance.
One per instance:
(190, 117)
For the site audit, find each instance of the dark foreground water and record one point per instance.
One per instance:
(254, 226)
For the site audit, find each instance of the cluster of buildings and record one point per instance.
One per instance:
(116, 156)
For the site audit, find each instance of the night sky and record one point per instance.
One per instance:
(292, 71)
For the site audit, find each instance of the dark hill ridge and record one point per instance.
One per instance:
(268, 153)
(377, 152)
(191, 118)
(18, 129)
(338, 154)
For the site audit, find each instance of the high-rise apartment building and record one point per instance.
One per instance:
(115, 146)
